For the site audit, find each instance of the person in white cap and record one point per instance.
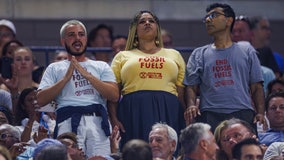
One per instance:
(7, 33)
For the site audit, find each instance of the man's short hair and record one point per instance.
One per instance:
(237, 149)
(272, 95)
(172, 134)
(227, 9)
(233, 121)
(71, 22)
(12, 130)
(191, 136)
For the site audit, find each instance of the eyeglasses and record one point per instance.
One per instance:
(235, 136)
(4, 136)
(212, 16)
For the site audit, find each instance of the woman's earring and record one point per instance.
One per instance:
(157, 43)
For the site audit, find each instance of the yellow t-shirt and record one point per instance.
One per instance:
(136, 70)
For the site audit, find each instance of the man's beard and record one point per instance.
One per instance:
(74, 53)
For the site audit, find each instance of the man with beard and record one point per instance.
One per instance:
(163, 141)
(81, 88)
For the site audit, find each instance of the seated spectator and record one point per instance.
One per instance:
(276, 149)
(53, 152)
(6, 116)
(32, 152)
(69, 139)
(60, 55)
(228, 133)
(9, 135)
(242, 31)
(33, 124)
(10, 47)
(280, 61)
(118, 44)
(22, 68)
(23, 60)
(167, 39)
(247, 149)
(101, 37)
(8, 33)
(274, 106)
(10, 138)
(261, 33)
(136, 149)
(43, 144)
(198, 142)
(163, 141)
(276, 85)
(268, 76)
(8, 51)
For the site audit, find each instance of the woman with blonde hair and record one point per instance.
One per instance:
(150, 79)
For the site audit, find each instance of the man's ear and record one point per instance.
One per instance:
(229, 21)
(173, 145)
(254, 136)
(203, 144)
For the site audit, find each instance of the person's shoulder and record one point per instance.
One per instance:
(278, 144)
(269, 133)
(244, 45)
(201, 49)
(55, 64)
(126, 53)
(266, 70)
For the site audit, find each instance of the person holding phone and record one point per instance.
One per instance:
(21, 77)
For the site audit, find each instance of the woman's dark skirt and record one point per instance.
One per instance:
(138, 111)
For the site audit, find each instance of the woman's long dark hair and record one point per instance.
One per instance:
(21, 113)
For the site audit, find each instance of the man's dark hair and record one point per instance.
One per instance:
(237, 149)
(227, 9)
(272, 83)
(5, 47)
(68, 135)
(272, 95)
